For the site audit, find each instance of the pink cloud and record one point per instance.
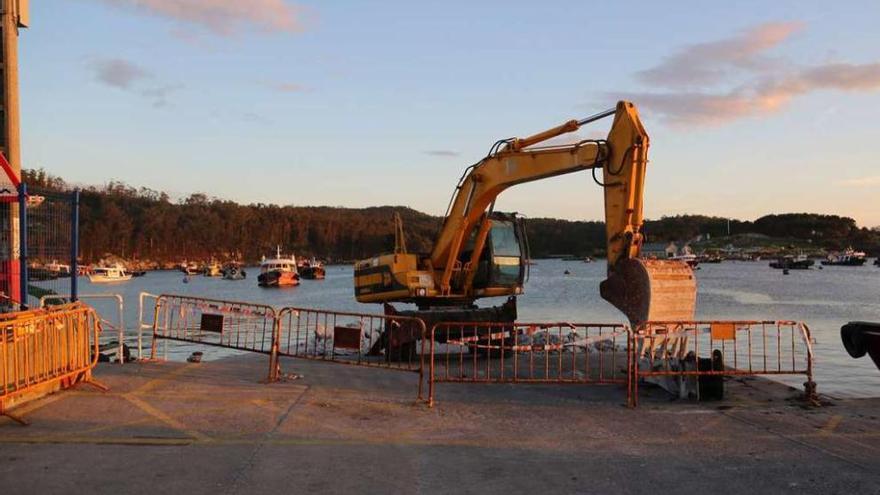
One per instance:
(710, 62)
(222, 17)
(733, 78)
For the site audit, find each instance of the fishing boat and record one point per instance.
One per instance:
(212, 269)
(876, 261)
(58, 269)
(311, 269)
(278, 271)
(690, 259)
(846, 258)
(791, 262)
(190, 268)
(233, 271)
(108, 274)
(38, 272)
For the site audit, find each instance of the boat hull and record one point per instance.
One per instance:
(793, 265)
(312, 272)
(98, 279)
(277, 278)
(234, 274)
(853, 262)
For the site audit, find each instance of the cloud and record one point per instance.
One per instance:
(763, 95)
(286, 87)
(128, 76)
(869, 181)
(221, 17)
(447, 153)
(733, 78)
(159, 95)
(118, 73)
(706, 63)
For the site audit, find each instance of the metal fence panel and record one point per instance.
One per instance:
(230, 324)
(481, 352)
(42, 346)
(683, 350)
(386, 341)
(48, 238)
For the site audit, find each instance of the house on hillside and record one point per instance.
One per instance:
(659, 250)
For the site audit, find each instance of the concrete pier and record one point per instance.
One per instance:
(213, 428)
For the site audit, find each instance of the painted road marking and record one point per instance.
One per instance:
(831, 425)
(161, 416)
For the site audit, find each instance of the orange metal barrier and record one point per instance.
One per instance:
(46, 346)
(687, 352)
(385, 341)
(480, 352)
(230, 324)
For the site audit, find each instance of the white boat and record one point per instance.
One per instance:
(278, 271)
(690, 259)
(59, 269)
(107, 274)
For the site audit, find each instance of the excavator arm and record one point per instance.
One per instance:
(643, 290)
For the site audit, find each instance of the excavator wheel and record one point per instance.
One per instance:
(651, 290)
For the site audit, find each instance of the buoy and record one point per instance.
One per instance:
(186, 279)
(785, 271)
(567, 272)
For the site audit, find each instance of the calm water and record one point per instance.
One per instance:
(824, 299)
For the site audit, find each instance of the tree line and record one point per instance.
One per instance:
(141, 223)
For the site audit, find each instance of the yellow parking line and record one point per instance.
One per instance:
(831, 425)
(177, 425)
(155, 382)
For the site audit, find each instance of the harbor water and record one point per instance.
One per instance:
(825, 299)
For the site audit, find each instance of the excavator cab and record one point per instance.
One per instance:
(503, 263)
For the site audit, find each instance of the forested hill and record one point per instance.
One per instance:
(145, 224)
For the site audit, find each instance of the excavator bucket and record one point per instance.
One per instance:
(651, 290)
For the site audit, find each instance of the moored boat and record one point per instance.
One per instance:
(311, 269)
(791, 262)
(58, 269)
(846, 258)
(278, 271)
(108, 274)
(212, 269)
(190, 268)
(690, 259)
(233, 271)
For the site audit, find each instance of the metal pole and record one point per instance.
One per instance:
(74, 246)
(598, 116)
(22, 243)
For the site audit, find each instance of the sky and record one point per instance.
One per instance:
(752, 107)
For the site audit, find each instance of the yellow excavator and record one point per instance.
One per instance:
(482, 253)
